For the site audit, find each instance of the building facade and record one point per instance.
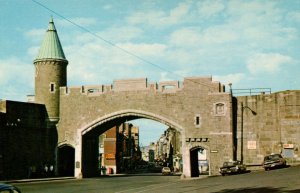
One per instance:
(27, 144)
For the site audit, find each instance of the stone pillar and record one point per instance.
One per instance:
(78, 156)
(186, 173)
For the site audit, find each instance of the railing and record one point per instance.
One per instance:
(251, 91)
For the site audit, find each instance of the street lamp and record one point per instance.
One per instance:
(230, 88)
(232, 124)
(242, 127)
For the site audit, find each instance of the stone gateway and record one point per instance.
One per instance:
(69, 120)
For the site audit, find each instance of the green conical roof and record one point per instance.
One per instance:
(51, 47)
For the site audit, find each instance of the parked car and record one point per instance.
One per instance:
(274, 161)
(166, 171)
(232, 167)
(7, 188)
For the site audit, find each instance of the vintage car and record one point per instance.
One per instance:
(232, 167)
(166, 171)
(7, 188)
(274, 161)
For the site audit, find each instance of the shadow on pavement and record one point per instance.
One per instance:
(258, 190)
(138, 174)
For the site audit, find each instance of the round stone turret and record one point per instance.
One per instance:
(50, 72)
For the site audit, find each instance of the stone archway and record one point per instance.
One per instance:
(191, 159)
(199, 161)
(84, 138)
(65, 160)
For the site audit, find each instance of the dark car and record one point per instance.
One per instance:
(274, 161)
(7, 188)
(232, 167)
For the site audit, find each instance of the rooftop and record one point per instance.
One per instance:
(51, 47)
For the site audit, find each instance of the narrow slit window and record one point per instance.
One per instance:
(52, 87)
(197, 120)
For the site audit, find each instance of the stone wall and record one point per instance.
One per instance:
(274, 129)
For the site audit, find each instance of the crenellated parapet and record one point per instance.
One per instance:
(205, 84)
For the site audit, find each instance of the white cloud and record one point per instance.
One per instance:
(16, 77)
(259, 23)
(294, 16)
(185, 37)
(11, 67)
(120, 33)
(267, 62)
(196, 37)
(210, 8)
(107, 7)
(144, 50)
(249, 9)
(230, 78)
(87, 61)
(178, 13)
(81, 21)
(219, 34)
(34, 33)
(161, 18)
(33, 52)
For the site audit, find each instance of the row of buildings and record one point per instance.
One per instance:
(119, 149)
(166, 151)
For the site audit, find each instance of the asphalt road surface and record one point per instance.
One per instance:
(275, 181)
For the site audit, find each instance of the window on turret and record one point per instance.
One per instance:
(52, 87)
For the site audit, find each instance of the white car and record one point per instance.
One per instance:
(166, 171)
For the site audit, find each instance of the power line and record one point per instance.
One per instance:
(116, 46)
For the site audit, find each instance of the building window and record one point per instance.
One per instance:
(52, 87)
(197, 120)
(219, 109)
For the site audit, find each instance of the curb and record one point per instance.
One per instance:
(37, 180)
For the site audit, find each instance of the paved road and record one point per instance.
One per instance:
(275, 181)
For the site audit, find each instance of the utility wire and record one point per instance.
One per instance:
(114, 45)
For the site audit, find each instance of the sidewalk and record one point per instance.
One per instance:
(37, 180)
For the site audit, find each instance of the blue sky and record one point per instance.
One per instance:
(251, 44)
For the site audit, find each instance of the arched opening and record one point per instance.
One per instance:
(118, 160)
(65, 160)
(199, 161)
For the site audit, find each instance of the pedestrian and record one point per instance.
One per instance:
(46, 170)
(29, 172)
(51, 168)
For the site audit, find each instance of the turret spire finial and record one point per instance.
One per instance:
(51, 26)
